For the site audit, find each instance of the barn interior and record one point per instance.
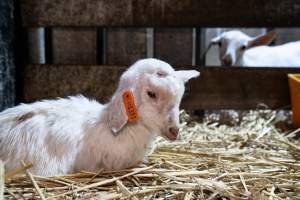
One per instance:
(240, 131)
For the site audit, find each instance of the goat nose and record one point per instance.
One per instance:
(174, 130)
(227, 61)
(172, 133)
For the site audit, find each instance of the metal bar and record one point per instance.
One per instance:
(101, 46)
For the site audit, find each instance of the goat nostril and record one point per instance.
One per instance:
(174, 130)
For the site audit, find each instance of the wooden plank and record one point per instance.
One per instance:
(125, 46)
(51, 81)
(7, 55)
(217, 87)
(189, 13)
(239, 88)
(174, 45)
(74, 46)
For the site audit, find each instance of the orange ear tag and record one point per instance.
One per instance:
(131, 110)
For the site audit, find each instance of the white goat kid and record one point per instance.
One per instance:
(237, 48)
(67, 135)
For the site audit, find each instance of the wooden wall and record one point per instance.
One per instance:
(90, 43)
(145, 13)
(7, 55)
(217, 87)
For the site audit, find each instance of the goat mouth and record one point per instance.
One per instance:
(171, 136)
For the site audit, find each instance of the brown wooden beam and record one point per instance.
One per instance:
(51, 81)
(8, 54)
(216, 88)
(74, 46)
(239, 88)
(174, 45)
(188, 13)
(125, 45)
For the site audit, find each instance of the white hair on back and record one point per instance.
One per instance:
(72, 134)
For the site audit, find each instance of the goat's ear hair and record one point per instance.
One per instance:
(186, 75)
(215, 40)
(212, 42)
(117, 116)
(264, 39)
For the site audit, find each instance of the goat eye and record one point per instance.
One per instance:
(220, 44)
(161, 74)
(152, 95)
(243, 47)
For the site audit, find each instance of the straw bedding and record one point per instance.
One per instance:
(248, 159)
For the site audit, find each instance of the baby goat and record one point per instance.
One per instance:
(67, 135)
(237, 48)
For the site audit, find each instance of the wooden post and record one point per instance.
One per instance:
(1, 180)
(7, 55)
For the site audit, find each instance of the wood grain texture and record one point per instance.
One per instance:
(7, 55)
(239, 88)
(125, 46)
(51, 81)
(217, 87)
(218, 13)
(74, 46)
(174, 45)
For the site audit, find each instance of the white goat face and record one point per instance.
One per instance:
(158, 90)
(161, 95)
(160, 99)
(232, 45)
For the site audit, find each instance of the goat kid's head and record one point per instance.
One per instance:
(157, 89)
(233, 44)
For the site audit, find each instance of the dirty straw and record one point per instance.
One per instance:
(248, 159)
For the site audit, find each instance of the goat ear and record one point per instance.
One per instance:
(215, 40)
(212, 42)
(262, 39)
(186, 75)
(117, 116)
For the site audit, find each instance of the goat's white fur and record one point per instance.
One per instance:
(72, 134)
(237, 48)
